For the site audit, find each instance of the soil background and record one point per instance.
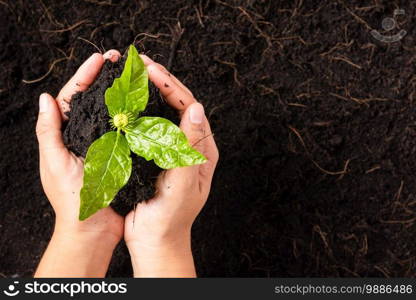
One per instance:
(313, 117)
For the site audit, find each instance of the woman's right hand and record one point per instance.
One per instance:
(158, 232)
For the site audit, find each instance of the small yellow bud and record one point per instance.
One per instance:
(121, 120)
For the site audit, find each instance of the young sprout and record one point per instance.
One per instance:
(108, 164)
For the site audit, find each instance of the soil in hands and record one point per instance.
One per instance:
(89, 120)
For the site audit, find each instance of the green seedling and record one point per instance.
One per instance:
(108, 163)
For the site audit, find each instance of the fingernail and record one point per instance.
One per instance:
(43, 103)
(196, 113)
(108, 55)
(111, 55)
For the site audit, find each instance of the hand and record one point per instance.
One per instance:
(158, 231)
(76, 248)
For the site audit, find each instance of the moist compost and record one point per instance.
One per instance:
(313, 117)
(89, 120)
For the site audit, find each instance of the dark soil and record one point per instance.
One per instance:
(313, 117)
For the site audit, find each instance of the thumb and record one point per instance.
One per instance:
(193, 125)
(48, 127)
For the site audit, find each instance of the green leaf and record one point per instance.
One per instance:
(107, 169)
(161, 140)
(129, 92)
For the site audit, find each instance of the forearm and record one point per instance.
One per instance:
(77, 255)
(171, 258)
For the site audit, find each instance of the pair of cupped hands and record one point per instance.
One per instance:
(157, 233)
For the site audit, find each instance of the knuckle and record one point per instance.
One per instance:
(169, 93)
(97, 55)
(205, 169)
(54, 169)
(215, 156)
(189, 91)
(196, 141)
(41, 129)
(189, 184)
(209, 167)
(51, 171)
(162, 68)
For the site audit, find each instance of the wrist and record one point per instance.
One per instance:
(87, 238)
(105, 229)
(158, 240)
(162, 256)
(77, 254)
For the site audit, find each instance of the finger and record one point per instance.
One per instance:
(147, 61)
(83, 77)
(48, 126)
(131, 224)
(193, 125)
(174, 79)
(48, 129)
(206, 170)
(112, 55)
(175, 95)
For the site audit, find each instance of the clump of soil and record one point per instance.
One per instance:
(89, 119)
